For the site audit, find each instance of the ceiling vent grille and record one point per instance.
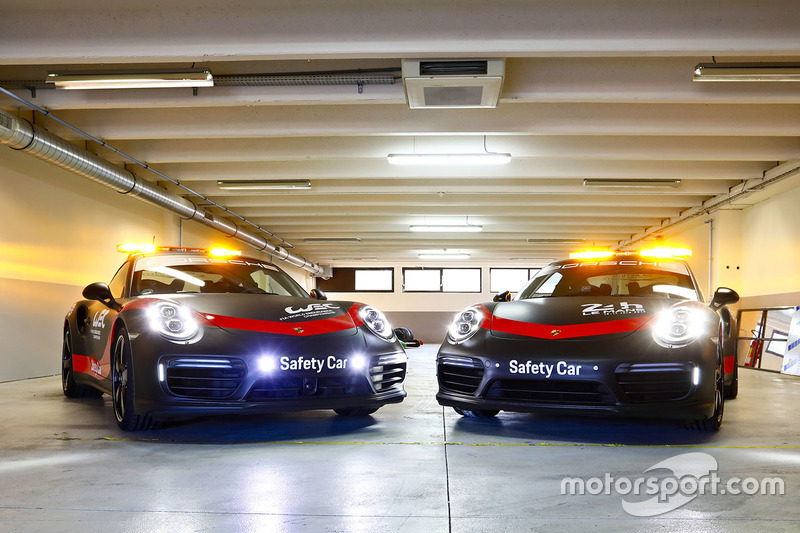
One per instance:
(449, 84)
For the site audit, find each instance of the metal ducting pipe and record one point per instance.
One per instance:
(21, 135)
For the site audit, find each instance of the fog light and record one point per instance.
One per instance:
(266, 364)
(358, 362)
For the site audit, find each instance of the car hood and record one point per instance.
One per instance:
(271, 314)
(575, 317)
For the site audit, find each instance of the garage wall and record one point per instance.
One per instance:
(58, 233)
(756, 250)
(428, 314)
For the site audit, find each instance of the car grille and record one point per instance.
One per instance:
(560, 392)
(387, 371)
(288, 387)
(654, 382)
(207, 378)
(460, 374)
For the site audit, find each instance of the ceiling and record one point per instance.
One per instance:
(593, 89)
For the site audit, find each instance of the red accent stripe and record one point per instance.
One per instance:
(310, 327)
(568, 331)
(729, 363)
(83, 364)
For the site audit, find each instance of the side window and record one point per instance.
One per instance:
(117, 284)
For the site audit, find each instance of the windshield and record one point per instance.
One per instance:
(170, 274)
(613, 278)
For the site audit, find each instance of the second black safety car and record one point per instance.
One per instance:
(181, 333)
(627, 334)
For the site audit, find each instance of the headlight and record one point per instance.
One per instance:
(678, 326)
(376, 322)
(172, 320)
(466, 323)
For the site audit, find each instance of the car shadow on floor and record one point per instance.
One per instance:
(321, 425)
(582, 430)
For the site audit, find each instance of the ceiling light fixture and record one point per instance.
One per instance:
(645, 183)
(132, 80)
(445, 228)
(485, 158)
(258, 185)
(443, 257)
(556, 241)
(747, 72)
(347, 240)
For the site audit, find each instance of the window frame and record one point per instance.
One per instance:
(441, 280)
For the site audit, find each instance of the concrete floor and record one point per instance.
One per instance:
(413, 467)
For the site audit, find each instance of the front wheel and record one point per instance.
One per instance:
(355, 411)
(732, 390)
(122, 389)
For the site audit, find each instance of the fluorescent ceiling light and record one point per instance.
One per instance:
(444, 228)
(556, 241)
(747, 72)
(258, 185)
(646, 183)
(487, 158)
(443, 257)
(138, 80)
(354, 240)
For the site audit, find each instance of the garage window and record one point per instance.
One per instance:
(509, 279)
(441, 280)
(358, 280)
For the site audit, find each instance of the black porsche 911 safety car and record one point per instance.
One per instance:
(627, 334)
(181, 333)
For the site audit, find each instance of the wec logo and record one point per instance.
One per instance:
(98, 321)
(310, 308)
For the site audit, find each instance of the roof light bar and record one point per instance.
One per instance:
(591, 254)
(224, 252)
(665, 252)
(133, 248)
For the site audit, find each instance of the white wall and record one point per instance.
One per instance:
(58, 233)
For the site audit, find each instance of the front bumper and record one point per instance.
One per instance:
(226, 373)
(631, 376)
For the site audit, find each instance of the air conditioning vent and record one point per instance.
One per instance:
(449, 84)
(453, 68)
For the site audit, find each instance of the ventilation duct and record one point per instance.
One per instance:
(448, 84)
(21, 135)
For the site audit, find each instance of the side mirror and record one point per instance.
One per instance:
(723, 296)
(317, 294)
(99, 291)
(504, 296)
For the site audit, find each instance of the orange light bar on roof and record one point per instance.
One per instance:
(133, 248)
(665, 251)
(591, 254)
(224, 252)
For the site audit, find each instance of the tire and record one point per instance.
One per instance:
(714, 422)
(355, 411)
(122, 386)
(732, 390)
(68, 385)
(476, 413)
